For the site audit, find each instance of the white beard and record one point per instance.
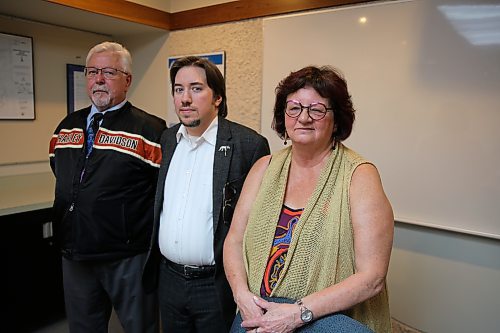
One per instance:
(102, 99)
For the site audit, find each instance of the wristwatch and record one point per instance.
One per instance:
(306, 315)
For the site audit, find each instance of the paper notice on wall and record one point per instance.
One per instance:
(16, 82)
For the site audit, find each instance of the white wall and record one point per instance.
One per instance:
(150, 72)
(25, 142)
(440, 281)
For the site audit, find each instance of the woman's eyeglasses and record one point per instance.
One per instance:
(316, 111)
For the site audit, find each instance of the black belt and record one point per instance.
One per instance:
(190, 271)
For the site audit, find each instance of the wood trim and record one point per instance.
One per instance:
(222, 13)
(247, 9)
(121, 9)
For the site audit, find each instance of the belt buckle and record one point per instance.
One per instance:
(186, 272)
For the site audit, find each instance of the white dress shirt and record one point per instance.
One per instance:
(186, 220)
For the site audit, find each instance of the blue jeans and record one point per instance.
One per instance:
(334, 323)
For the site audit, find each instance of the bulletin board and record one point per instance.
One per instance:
(425, 81)
(17, 98)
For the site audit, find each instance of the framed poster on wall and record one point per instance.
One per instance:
(76, 88)
(17, 97)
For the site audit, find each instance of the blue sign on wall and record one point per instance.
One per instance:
(218, 58)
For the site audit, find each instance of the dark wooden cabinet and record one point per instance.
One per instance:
(32, 291)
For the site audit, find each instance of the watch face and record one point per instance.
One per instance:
(306, 316)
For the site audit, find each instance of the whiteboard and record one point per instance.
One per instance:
(425, 81)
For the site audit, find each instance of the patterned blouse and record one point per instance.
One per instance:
(282, 238)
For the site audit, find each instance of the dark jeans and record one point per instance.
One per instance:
(334, 323)
(91, 289)
(189, 305)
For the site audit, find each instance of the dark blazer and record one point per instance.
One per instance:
(237, 149)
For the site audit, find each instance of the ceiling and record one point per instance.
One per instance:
(54, 14)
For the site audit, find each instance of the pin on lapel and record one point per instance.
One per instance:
(224, 149)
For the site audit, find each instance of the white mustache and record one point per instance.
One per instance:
(100, 88)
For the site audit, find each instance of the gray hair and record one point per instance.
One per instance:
(125, 57)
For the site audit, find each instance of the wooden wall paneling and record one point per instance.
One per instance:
(247, 9)
(121, 9)
(221, 13)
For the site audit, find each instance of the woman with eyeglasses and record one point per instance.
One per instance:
(311, 237)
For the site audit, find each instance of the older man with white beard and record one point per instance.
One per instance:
(105, 159)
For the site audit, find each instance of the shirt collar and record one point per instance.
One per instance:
(210, 134)
(94, 110)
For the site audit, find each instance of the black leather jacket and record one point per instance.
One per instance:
(108, 212)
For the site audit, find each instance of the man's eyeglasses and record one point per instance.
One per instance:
(108, 72)
(316, 111)
(229, 201)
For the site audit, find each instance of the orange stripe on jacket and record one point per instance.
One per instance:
(67, 138)
(128, 143)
